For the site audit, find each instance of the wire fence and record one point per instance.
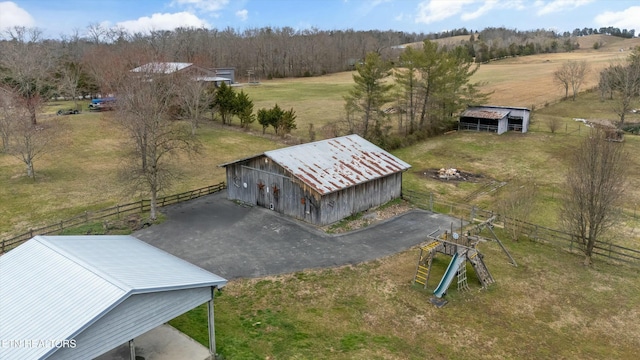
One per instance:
(116, 212)
(559, 239)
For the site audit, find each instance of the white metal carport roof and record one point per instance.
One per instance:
(56, 288)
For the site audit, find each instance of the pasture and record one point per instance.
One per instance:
(548, 307)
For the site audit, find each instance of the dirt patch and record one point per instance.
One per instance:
(458, 176)
(369, 217)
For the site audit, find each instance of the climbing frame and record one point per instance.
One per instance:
(425, 260)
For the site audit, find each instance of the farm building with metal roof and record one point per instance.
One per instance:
(77, 297)
(217, 76)
(320, 182)
(498, 119)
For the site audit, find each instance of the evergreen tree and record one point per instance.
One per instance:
(243, 109)
(225, 102)
(369, 94)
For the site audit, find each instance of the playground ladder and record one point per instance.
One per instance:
(424, 263)
(481, 269)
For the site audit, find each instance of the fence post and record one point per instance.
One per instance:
(571, 243)
(61, 226)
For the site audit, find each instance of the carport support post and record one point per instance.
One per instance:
(212, 330)
(132, 349)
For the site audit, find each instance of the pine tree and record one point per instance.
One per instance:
(369, 94)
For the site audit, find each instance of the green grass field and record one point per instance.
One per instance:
(548, 307)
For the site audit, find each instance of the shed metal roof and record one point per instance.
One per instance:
(162, 67)
(481, 113)
(54, 287)
(334, 164)
(212, 78)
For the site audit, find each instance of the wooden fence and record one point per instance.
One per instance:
(557, 238)
(111, 212)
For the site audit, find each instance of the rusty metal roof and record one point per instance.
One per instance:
(481, 113)
(335, 164)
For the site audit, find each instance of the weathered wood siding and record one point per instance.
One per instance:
(340, 204)
(259, 181)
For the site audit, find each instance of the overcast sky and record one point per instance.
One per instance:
(62, 17)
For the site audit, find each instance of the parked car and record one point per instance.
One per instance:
(67, 112)
(102, 104)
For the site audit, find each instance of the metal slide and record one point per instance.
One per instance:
(452, 269)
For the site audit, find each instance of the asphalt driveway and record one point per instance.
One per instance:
(236, 241)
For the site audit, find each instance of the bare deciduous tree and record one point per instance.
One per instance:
(6, 109)
(554, 124)
(154, 139)
(26, 65)
(516, 206)
(194, 99)
(25, 140)
(69, 67)
(622, 81)
(571, 75)
(594, 188)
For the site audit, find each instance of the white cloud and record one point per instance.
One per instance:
(434, 11)
(204, 5)
(163, 22)
(368, 6)
(243, 14)
(489, 5)
(12, 15)
(625, 19)
(559, 5)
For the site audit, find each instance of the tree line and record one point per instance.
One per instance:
(609, 30)
(424, 91)
(269, 52)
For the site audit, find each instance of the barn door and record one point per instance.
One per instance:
(276, 194)
(261, 198)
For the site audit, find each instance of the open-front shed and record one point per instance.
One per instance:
(319, 182)
(498, 119)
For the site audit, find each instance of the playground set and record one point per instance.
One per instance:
(462, 249)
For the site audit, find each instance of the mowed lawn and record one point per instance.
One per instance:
(81, 173)
(549, 307)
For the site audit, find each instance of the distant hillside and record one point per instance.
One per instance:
(607, 42)
(453, 40)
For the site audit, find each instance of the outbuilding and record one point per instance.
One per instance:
(319, 182)
(77, 297)
(498, 119)
(197, 73)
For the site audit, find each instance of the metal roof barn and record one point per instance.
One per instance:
(320, 182)
(99, 291)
